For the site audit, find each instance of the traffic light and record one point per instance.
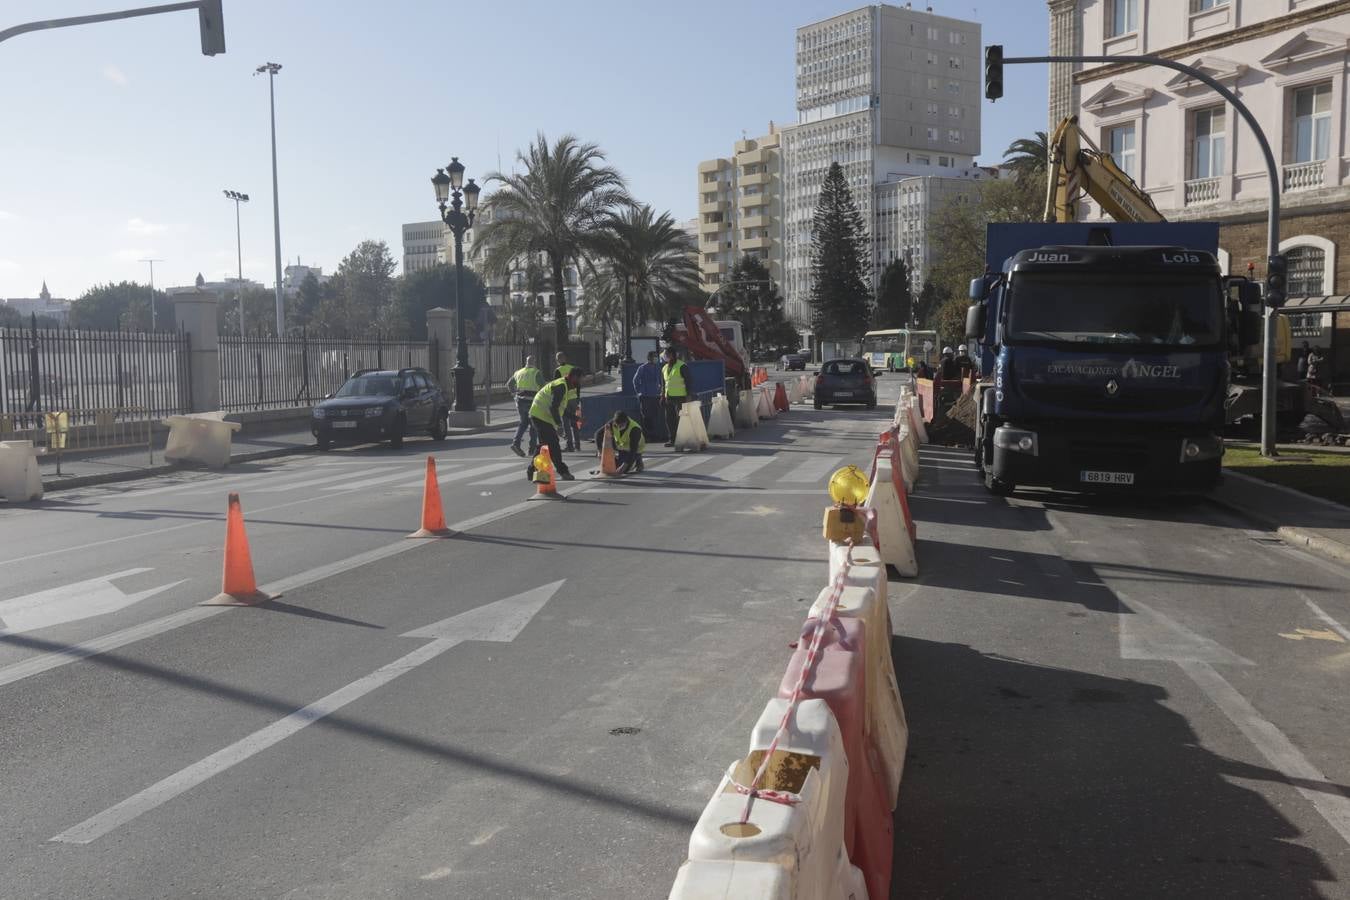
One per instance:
(212, 22)
(1277, 270)
(993, 71)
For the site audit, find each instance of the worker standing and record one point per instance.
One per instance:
(569, 423)
(647, 385)
(524, 384)
(629, 442)
(546, 413)
(674, 391)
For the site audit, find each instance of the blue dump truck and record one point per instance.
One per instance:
(1105, 356)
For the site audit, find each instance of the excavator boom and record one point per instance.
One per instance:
(1075, 169)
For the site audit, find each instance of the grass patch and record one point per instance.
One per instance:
(1320, 473)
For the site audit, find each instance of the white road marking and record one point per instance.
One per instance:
(1146, 633)
(1325, 617)
(369, 482)
(297, 485)
(813, 470)
(679, 464)
(500, 621)
(72, 602)
(105, 643)
(712, 489)
(745, 467)
(1278, 750)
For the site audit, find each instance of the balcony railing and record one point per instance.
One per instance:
(1304, 176)
(1202, 190)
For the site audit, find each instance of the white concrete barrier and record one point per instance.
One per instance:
(720, 879)
(746, 414)
(764, 403)
(808, 387)
(806, 838)
(20, 477)
(719, 419)
(795, 391)
(201, 438)
(689, 432)
(916, 419)
(893, 527)
(909, 455)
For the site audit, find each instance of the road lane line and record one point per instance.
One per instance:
(1333, 805)
(1325, 617)
(712, 489)
(745, 467)
(681, 464)
(95, 646)
(370, 482)
(813, 470)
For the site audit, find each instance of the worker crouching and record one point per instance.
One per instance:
(629, 442)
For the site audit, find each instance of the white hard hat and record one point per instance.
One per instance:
(946, 349)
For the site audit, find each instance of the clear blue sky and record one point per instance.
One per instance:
(118, 138)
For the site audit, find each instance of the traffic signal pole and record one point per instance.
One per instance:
(1275, 263)
(208, 12)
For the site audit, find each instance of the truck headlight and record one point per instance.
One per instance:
(1019, 440)
(1199, 449)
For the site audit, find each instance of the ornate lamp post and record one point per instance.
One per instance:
(458, 217)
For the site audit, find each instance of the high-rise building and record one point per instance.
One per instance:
(740, 209)
(904, 211)
(1186, 147)
(425, 245)
(888, 93)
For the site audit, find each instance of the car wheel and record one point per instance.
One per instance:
(396, 433)
(816, 402)
(324, 444)
(872, 404)
(438, 426)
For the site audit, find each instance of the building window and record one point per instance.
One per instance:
(933, 33)
(932, 59)
(932, 134)
(1122, 17)
(1120, 140)
(932, 84)
(1312, 122)
(1207, 147)
(954, 62)
(1306, 265)
(1202, 5)
(924, 160)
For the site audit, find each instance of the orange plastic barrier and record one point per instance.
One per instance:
(780, 399)
(840, 680)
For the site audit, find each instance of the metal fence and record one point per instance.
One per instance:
(88, 373)
(267, 373)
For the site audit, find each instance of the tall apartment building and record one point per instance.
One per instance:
(740, 209)
(1188, 149)
(889, 93)
(903, 211)
(424, 245)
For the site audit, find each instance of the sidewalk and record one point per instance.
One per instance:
(1299, 519)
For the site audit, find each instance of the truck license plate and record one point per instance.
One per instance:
(1089, 477)
(344, 424)
(843, 393)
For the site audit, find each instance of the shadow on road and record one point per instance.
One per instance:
(1031, 781)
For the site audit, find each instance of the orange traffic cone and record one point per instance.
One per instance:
(545, 478)
(433, 518)
(239, 587)
(780, 399)
(608, 465)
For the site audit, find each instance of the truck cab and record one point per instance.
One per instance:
(1106, 368)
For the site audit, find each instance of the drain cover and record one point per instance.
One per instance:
(624, 729)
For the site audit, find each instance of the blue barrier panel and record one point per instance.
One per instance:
(626, 378)
(707, 375)
(597, 409)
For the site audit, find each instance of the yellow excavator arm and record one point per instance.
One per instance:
(1075, 169)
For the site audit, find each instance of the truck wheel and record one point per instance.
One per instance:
(997, 486)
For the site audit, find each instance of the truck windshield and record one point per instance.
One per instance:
(1163, 310)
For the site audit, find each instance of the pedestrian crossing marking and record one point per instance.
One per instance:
(813, 470)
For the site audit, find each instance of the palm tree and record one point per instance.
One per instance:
(654, 262)
(555, 207)
(1028, 156)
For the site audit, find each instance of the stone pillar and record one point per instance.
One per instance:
(194, 312)
(441, 329)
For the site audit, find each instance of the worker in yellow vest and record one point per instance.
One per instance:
(675, 383)
(546, 411)
(569, 424)
(629, 442)
(523, 385)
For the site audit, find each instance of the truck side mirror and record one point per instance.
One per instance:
(977, 289)
(975, 321)
(1249, 328)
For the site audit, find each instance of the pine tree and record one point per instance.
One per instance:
(752, 299)
(840, 305)
(895, 301)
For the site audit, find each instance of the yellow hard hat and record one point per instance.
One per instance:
(848, 485)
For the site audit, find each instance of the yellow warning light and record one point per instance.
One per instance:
(848, 486)
(542, 463)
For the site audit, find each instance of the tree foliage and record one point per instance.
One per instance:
(557, 206)
(426, 289)
(651, 259)
(359, 301)
(895, 301)
(752, 299)
(124, 305)
(840, 308)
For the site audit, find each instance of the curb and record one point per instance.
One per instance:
(1293, 535)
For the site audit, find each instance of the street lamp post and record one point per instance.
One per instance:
(239, 250)
(272, 69)
(458, 217)
(152, 289)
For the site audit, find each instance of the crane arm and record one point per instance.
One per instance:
(1074, 170)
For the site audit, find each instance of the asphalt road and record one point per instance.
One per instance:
(1106, 699)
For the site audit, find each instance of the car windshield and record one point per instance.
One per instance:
(1164, 311)
(846, 367)
(369, 386)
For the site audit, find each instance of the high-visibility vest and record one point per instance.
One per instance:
(527, 379)
(674, 374)
(622, 435)
(563, 370)
(542, 407)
